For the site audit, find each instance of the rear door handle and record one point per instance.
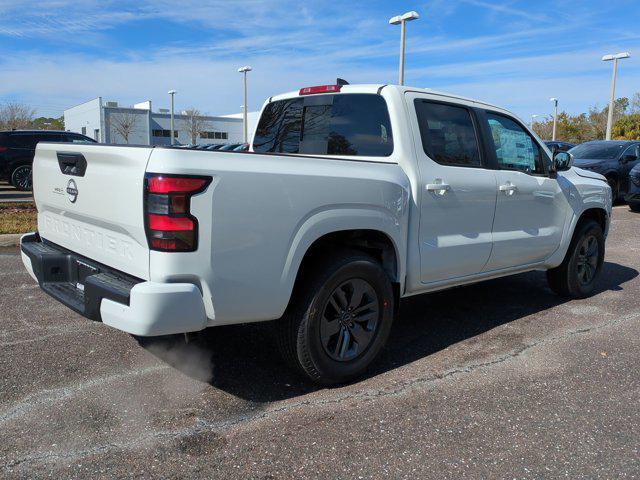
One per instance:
(508, 188)
(439, 187)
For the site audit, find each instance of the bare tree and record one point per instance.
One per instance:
(15, 115)
(194, 123)
(123, 123)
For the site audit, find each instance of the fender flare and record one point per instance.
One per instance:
(558, 257)
(343, 218)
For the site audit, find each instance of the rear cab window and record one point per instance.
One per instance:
(346, 124)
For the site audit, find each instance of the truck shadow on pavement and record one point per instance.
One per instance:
(243, 360)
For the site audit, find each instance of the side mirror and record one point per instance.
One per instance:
(629, 158)
(561, 161)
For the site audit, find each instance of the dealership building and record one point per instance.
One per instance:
(108, 122)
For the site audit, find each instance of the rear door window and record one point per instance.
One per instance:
(344, 124)
(448, 134)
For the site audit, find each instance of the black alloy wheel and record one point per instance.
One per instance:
(587, 260)
(349, 320)
(21, 178)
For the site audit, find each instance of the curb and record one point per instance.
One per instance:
(10, 239)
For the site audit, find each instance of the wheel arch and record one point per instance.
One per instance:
(597, 213)
(373, 231)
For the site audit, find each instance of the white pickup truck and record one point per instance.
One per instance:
(350, 198)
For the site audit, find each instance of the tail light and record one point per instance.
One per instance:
(3, 149)
(169, 224)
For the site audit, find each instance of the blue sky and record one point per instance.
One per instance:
(517, 54)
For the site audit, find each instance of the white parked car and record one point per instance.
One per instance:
(350, 198)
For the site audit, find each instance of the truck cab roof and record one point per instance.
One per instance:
(378, 87)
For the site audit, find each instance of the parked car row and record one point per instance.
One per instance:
(17, 148)
(225, 147)
(614, 159)
(633, 195)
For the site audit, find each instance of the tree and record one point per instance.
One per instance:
(123, 123)
(543, 128)
(194, 123)
(586, 126)
(15, 115)
(48, 123)
(627, 128)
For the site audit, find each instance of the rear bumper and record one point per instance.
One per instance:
(119, 300)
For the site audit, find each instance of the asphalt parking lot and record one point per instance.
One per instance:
(501, 379)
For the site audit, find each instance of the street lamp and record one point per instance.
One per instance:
(244, 71)
(172, 93)
(615, 59)
(401, 20)
(555, 116)
(533, 119)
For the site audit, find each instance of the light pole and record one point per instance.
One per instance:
(533, 119)
(401, 20)
(615, 59)
(555, 117)
(244, 71)
(172, 93)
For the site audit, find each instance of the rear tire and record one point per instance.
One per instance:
(339, 319)
(634, 206)
(576, 276)
(21, 178)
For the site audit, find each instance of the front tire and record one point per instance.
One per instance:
(21, 178)
(634, 206)
(615, 190)
(339, 319)
(577, 275)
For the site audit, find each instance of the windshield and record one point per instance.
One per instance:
(593, 151)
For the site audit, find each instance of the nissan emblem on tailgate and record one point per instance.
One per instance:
(72, 191)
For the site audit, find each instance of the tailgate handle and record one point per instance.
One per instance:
(72, 163)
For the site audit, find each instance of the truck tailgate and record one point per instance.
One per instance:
(90, 201)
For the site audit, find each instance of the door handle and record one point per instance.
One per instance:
(439, 187)
(508, 188)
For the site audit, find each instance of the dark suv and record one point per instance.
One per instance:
(555, 145)
(613, 159)
(17, 148)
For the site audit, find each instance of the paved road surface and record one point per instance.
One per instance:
(9, 194)
(501, 379)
